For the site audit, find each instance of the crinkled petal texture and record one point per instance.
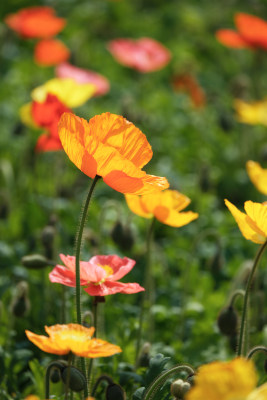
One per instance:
(252, 29)
(66, 70)
(111, 147)
(67, 90)
(251, 113)
(257, 175)
(252, 225)
(49, 52)
(166, 206)
(231, 38)
(233, 380)
(144, 55)
(111, 287)
(35, 22)
(74, 338)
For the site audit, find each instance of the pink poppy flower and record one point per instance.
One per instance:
(99, 276)
(66, 70)
(144, 55)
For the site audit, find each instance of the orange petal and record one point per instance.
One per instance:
(252, 29)
(173, 218)
(135, 204)
(259, 393)
(257, 214)
(44, 343)
(50, 52)
(258, 176)
(231, 38)
(100, 348)
(242, 221)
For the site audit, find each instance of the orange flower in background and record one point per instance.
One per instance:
(35, 22)
(253, 224)
(189, 84)
(166, 206)
(144, 55)
(49, 52)
(111, 147)
(252, 33)
(75, 338)
(257, 175)
(253, 113)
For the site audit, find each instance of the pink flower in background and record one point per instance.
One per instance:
(144, 55)
(99, 276)
(66, 70)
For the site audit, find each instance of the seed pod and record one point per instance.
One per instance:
(143, 360)
(35, 261)
(47, 237)
(21, 303)
(115, 392)
(55, 375)
(228, 321)
(122, 236)
(179, 388)
(77, 379)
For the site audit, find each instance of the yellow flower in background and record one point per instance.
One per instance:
(251, 113)
(166, 206)
(67, 90)
(32, 397)
(25, 114)
(227, 380)
(257, 175)
(253, 224)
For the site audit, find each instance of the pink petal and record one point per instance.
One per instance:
(109, 287)
(120, 266)
(62, 275)
(69, 262)
(91, 272)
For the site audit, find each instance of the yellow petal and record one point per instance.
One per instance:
(176, 219)
(251, 113)
(258, 176)
(259, 394)
(67, 90)
(25, 114)
(135, 205)
(257, 214)
(242, 221)
(44, 343)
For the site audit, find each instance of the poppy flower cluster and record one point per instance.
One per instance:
(251, 33)
(144, 55)
(257, 175)
(99, 276)
(40, 22)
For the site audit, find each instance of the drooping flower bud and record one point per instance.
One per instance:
(228, 321)
(143, 360)
(48, 235)
(35, 261)
(21, 303)
(77, 380)
(122, 235)
(115, 392)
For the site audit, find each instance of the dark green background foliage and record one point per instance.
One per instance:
(202, 152)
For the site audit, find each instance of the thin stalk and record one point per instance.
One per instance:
(256, 349)
(95, 319)
(68, 376)
(54, 364)
(235, 295)
(246, 297)
(146, 295)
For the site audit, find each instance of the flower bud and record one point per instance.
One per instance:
(55, 375)
(122, 235)
(21, 303)
(143, 360)
(115, 392)
(47, 238)
(77, 380)
(227, 321)
(179, 388)
(35, 261)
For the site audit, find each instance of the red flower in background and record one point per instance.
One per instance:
(144, 55)
(188, 83)
(252, 33)
(99, 275)
(35, 22)
(66, 70)
(50, 52)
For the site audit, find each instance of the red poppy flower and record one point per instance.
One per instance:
(50, 52)
(66, 70)
(35, 22)
(144, 55)
(99, 275)
(252, 33)
(188, 84)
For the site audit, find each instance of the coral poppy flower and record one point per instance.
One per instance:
(99, 275)
(253, 224)
(227, 380)
(66, 70)
(189, 84)
(258, 176)
(251, 113)
(75, 338)
(111, 147)
(49, 52)
(144, 55)
(35, 22)
(166, 206)
(252, 33)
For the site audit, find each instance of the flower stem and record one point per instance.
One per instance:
(53, 365)
(146, 295)
(256, 349)
(246, 297)
(235, 295)
(68, 376)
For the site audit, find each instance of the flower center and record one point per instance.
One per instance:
(107, 268)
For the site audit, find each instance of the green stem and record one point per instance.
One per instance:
(77, 264)
(54, 364)
(163, 377)
(95, 318)
(68, 376)
(256, 349)
(246, 297)
(146, 295)
(235, 295)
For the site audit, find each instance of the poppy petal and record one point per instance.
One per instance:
(110, 287)
(257, 213)
(120, 266)
(257, 175)
(135, 204)
(47, 142)
(49, 52)
(231, 38)
(253, 29)
(44, 343)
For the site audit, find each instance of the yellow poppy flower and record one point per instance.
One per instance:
(166, 206)
(258, 176)
(74, 338)
(230, 380)
(67, 90)
(253, 224)
(251, 113)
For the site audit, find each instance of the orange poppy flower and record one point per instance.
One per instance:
(50, 52)
(252, 33)
(112, 147)
(35, 22)
(253, 224)
(258, 176)
(74, 338)
(189, 84)
(166, 206)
